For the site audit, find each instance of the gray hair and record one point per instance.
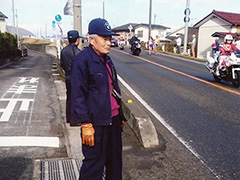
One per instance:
(94, 36)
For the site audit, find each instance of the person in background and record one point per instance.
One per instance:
(237, 42)
(150, 45)
(67, 55)
(193, 45)
(156, 42)
(96, 101)
(179, 43)
(215, 46)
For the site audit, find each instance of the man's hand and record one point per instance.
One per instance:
(88, 134)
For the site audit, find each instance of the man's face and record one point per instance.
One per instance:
(101, 44)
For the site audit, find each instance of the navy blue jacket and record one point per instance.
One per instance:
(67, 55)
(90, 88)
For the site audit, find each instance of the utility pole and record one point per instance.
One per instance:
(186, 20)
(150, 17)
(77, 17)
(13, 17)
(103, 11)
(18, 39)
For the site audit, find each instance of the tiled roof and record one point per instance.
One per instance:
(153, 26)
(2, 16)
(134, 25)
(233, 18)
(124, 27)
(222, 34)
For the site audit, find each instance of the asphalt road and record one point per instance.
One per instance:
(202, 113)
(30, 126)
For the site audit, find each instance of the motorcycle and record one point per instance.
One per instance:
(122, 44)
(229, 68)
(136, 49)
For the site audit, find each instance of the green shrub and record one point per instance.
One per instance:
(7, 41)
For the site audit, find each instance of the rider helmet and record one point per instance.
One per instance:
(228, 37)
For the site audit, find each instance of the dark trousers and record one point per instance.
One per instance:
(70, 114)
(106, 152)
(178, 49)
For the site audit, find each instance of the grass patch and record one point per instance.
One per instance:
(37, 42)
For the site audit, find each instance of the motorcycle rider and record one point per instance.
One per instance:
(132, 40)
(226, 49)
(121, 40)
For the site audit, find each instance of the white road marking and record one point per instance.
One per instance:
(55, 74)
(25, 85)
(7, 112)
(31, 80)
(166, 125)
(11, 141)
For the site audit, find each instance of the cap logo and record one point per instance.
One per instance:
(107, 26)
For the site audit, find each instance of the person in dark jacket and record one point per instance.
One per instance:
(67, 55)
(95, 97)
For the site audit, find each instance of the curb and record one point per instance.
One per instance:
(138, 120)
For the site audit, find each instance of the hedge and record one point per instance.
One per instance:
(8, 41)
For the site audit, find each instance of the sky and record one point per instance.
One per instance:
(37, 15)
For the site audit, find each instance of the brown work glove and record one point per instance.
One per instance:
(88, 134)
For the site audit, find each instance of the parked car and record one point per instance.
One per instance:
(114, 42)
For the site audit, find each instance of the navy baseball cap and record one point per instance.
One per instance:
(73, 34)
(100, 27)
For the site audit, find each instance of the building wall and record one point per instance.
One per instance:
(205, 39)
(156, 31)
(2, 25)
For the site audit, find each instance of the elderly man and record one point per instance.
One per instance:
(95, 97)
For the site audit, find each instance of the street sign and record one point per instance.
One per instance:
(68, 9)
(187, 11)
(58, 18)
(54, 25)
(130, 28)
(186, 19)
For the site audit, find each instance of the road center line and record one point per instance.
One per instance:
(184, 74)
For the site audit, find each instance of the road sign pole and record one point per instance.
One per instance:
(150, 20)
(186, 19)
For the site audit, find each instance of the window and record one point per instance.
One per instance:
(140, 34)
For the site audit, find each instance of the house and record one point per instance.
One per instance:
(2, 22)
(142, 30)
(216, 24)
(125, 30)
